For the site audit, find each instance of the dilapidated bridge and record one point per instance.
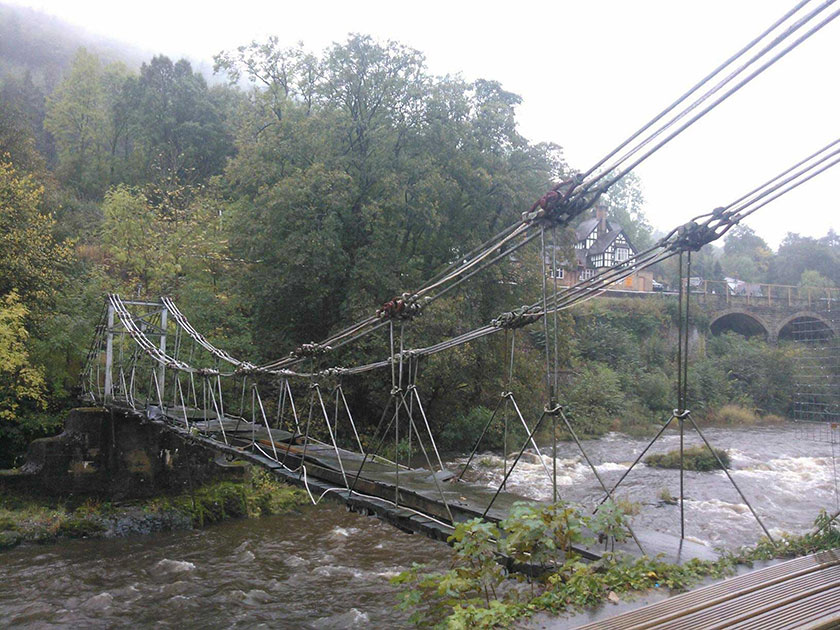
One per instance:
(291, 415)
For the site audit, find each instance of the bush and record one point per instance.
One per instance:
(656, 390)
(595, 400)
(463, 432)
(698, 458)
(733, 415)
(772, 418)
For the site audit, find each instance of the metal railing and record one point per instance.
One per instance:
(759, 294)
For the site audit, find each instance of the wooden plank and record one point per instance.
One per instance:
(418, 489)
(804, 592)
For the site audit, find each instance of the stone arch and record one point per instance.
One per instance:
(812, 325)
(740, 321)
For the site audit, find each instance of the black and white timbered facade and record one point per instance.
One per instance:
(601, 243)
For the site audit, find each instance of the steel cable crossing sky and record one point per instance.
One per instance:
(574, 196)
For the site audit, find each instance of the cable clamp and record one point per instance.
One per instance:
(681, 415)
(553, 409)
(517, 318)
(405, 307)
(309, 350)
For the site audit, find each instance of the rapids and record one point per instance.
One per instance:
(324, 567)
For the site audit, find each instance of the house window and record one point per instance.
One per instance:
(586, 274)
(559, 273)
(622, 254)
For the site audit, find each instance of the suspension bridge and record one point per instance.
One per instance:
(291, 415)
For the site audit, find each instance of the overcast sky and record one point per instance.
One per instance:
(589, 72)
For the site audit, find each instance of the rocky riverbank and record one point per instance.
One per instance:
(32, 518)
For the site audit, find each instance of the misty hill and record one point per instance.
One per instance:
(43, 46)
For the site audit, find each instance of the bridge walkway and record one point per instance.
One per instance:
(803, 593)
(420, 507)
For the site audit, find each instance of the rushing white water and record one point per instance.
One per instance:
(327, 568)
(786, 478)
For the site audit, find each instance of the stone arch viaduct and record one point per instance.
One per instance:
(772, 311)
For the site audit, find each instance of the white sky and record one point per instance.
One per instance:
(589, 72)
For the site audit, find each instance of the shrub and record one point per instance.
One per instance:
(698, 458)
(772, 418)
(733, 415)
(595, 399)
(463, 432)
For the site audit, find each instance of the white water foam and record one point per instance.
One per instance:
(174, 566)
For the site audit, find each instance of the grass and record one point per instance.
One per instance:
(37, 519)
(698, 458)
(733, 416)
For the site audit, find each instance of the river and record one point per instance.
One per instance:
(786, 474)
(323, 567)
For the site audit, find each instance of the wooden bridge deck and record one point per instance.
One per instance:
(417, 493)
(803, 593)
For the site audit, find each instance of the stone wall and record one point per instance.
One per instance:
(117, 455)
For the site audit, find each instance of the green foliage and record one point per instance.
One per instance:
(798, 254)
(698, 458)
(25, 518)
(743, 371)
(76, 118)
(454, 599)
(31, 261)
(468, 595)
(464, 430)
(733, 415)
(815, 280)
(824, 536)
(595, 400)
(535, 533)
(746, 255)
(260, 494)
(610, 522)
(20, 382)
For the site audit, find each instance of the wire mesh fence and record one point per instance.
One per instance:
(817, 376)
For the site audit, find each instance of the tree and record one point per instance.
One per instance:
(16, 139)
(138, 253)
(177, 123)
(798, 254)
(76, 119)
(31, 261)
(385, 174)
(22, 134)
(625, 203)
(746, 255)
(814, 280)
(21, 383)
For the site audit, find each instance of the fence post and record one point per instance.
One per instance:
(164, 319)
(109, 355)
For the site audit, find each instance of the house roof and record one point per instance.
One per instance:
(584, 228)
(604, 240)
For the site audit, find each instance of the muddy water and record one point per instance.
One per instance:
(787, 479)
(327, 568)
(324, 568)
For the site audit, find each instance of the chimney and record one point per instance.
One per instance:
(601, 215)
